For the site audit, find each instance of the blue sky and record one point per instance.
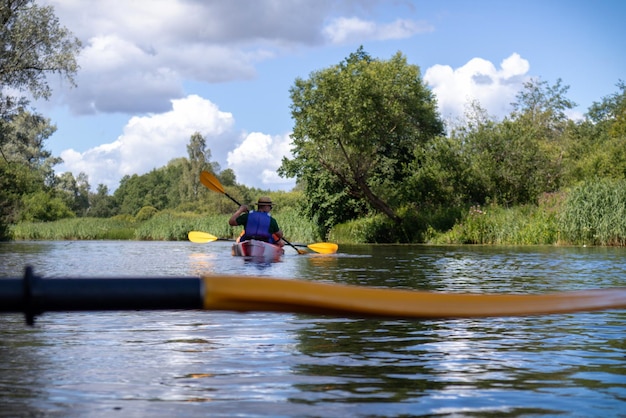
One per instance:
(153, 72)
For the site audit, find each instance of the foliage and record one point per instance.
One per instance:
(199, 160)
(150, 189)
(521, 225)
(356, 127)
(166, 225)
(595, 213)
(514, 161)
(75, 229)
(101, 204)
(43, 206)
(443, 175)
(33, 46)
(597, 146)
(74, 192)
(371, 229)
(145, 213)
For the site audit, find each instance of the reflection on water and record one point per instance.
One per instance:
(196, 363)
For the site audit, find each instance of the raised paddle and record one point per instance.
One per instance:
(212, 183)
(34, 295)
(319, 247)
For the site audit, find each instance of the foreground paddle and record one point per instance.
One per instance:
(319, 247)
(34, 295)
(212, 183)
(201, 237)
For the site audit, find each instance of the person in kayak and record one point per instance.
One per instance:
(259, 224)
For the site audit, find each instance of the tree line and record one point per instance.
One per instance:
(368, 143)
(368, 140)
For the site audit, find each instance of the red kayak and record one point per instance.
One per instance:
(260, 249)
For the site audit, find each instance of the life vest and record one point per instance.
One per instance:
(258, 227)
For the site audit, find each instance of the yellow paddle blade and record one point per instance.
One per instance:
(211, 182)
(323, 247)
(248, 293)
(201, 237)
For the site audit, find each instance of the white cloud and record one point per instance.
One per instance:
(495, 89)
(257, 158)
(151, 141)
(138, 54)
(345, 30)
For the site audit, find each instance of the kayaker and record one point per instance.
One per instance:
(259, 224)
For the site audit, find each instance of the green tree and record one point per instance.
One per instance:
(74, 192)
(356, 128)
(228, 177)
(137, 191)
(199, 159)
(597, 145)
(43, 206)
(517, 159)
(32, 46)
(101, 204)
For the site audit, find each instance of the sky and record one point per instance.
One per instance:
(154, 72)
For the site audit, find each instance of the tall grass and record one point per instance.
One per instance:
(169, 226)
(75, 229)
(297, 227)
(524, 225)
(162, 226)
(595, 214)
(372, 229)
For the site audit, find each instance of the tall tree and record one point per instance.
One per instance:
(356, 127)
(101, 204)
(199, 159)
(517, 159)
(32, 46)
(597, 146)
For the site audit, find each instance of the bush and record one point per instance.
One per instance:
(146, 213)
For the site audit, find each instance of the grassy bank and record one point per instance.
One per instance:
(592, 213)
(161, 226)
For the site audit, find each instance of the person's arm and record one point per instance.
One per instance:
(233, 219)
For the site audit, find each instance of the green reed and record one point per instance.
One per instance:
(595, 213)
(161, 226)
(523, 225)
(75, 229)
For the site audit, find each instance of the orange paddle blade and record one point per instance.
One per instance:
(246, 293)
(211, 182)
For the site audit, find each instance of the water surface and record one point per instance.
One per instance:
(199, 363)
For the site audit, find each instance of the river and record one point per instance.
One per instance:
(224, 364)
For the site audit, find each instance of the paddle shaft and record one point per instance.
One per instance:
(34, 295)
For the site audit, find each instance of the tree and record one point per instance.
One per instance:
(199, 160)
(597, 145)
(356, 128)
(517, 159)
(74, 192)
(33, 45)
(101, 205)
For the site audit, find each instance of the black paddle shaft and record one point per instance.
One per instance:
(34, 295)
